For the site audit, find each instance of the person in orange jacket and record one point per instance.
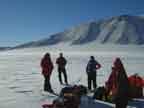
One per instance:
(47, 67)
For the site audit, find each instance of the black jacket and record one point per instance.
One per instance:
(91, 66)
(61, 62)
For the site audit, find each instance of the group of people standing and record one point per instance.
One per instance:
(47, 68)
(117, 81)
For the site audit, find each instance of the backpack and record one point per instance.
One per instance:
(99, 93)
(70, 97)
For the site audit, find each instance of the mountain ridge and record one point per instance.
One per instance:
(124, 29)
(4, 48)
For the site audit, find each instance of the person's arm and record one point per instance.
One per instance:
(41, 63)
(57, 60)
(51, 69)
(52, 66)
(42, 66)
(65, 61)
(98, 65)
(87, 68)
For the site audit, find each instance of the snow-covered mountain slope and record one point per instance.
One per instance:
(116, 30)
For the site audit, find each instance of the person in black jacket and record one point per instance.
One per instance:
(61, 62)
(91, 68)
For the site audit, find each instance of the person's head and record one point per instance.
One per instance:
(61, 54)
(136, 74)
(47, 56)
(92, 57)
(120, 68)
(118, 63)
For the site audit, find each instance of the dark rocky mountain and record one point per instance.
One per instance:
(4, 48)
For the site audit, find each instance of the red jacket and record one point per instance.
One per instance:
(112, 82)
(47, 67)
(118, 81)
(136, 81)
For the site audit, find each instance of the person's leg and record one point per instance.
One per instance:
(94, 81)
(65, 75)
(89, 82)
(124, 105)
(117, 105)
(59, 75)
(121, 104)
(47, 85)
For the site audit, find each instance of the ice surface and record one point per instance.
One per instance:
(21, 82)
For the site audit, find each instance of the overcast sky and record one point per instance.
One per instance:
(26, 20)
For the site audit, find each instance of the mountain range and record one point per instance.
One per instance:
(4, 48)
(124, 29)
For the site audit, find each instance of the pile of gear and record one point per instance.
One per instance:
(70, 97)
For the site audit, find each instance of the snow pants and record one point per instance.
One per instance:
(92, 79)
(62, 71)
(47, 85)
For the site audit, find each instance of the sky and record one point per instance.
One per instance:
(30, 20)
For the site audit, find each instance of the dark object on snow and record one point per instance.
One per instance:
(82, 90)
(99, 93)
(72, 95)
(91, 68)
(47, 106)
(58, 103)
(61, 62)
(69, 97)
(47, 67)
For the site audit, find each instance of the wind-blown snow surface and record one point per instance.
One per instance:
(21, 82)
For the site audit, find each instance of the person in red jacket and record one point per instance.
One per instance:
(119, 84)
(47, 67)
